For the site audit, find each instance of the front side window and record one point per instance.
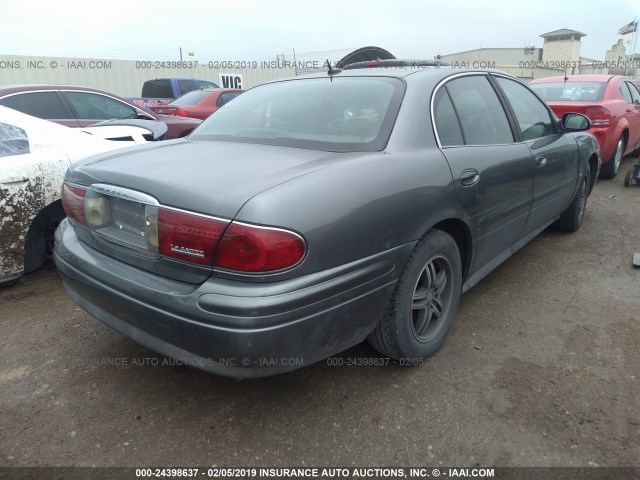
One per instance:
(341, 114)
(479, 111)
(46, 105)
(185, 86)
(92, 106)
(532, 116)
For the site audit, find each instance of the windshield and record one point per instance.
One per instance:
(191, 98)
(347, 114)
(570, 91)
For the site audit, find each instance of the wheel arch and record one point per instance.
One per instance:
(593, 170)
(35, 240)
(459, 231)
(625, 135)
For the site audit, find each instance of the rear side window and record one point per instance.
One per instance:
(226, 97)
(46, 105)
(635, 96)
(190, 98)
(91, 106)
(205, 84)
(624, 90)
(447, 124)
(157, 88)
(479, 110)
(13, 140)
(532, 116)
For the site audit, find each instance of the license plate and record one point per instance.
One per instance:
(128, 216)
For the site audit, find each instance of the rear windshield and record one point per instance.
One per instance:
(345, 114)
(157, 88)
(190, 98)
(570, 91)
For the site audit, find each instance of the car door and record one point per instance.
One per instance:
(21, 197)
(633, 116)
(48, 105)
(555, 154)
(492, 173)
(91, 108)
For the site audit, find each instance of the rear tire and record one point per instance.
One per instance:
(425, 301)
(610, 169)
(572, 217)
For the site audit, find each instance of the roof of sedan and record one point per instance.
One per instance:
(44, 86)
(430, 71)
(601, 78)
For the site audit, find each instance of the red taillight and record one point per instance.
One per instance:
(189, 237)
(599, 116)
(373, 63)
(73, 202)
(249, 248)
(180, 113)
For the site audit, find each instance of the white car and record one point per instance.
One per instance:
(34, 156)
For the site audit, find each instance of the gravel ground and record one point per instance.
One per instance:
(540, 369)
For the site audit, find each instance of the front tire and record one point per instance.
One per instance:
(39, 240)
(425, 301)
(610, 169)
(628, 178)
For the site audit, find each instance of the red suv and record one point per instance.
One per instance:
(81, 107)
(612, 102)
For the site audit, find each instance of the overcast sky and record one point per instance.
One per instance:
(252, 29)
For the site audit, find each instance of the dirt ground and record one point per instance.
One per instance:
(541, 369)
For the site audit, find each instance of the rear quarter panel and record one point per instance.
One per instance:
(359, 207)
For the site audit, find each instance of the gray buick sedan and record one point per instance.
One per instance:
(310, 214)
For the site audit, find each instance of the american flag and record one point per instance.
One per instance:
(628, 28)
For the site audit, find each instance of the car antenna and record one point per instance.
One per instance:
(332, 71)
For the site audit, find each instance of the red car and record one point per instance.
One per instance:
(83, 107)
(198, 103)
(612, 102)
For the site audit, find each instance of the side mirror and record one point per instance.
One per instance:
(575, 122)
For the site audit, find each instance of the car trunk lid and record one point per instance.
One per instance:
(209, 182)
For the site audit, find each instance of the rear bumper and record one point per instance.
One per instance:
(232, 328)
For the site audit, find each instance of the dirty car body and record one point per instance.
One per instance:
(34, 156)
(312, 213)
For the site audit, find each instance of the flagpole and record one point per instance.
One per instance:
(633, 51)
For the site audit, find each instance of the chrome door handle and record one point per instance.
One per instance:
(469, 177)
(541, 160)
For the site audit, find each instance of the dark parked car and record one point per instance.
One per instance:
(312, 213)
(82, 107)
(612, 103)
(199, 103)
